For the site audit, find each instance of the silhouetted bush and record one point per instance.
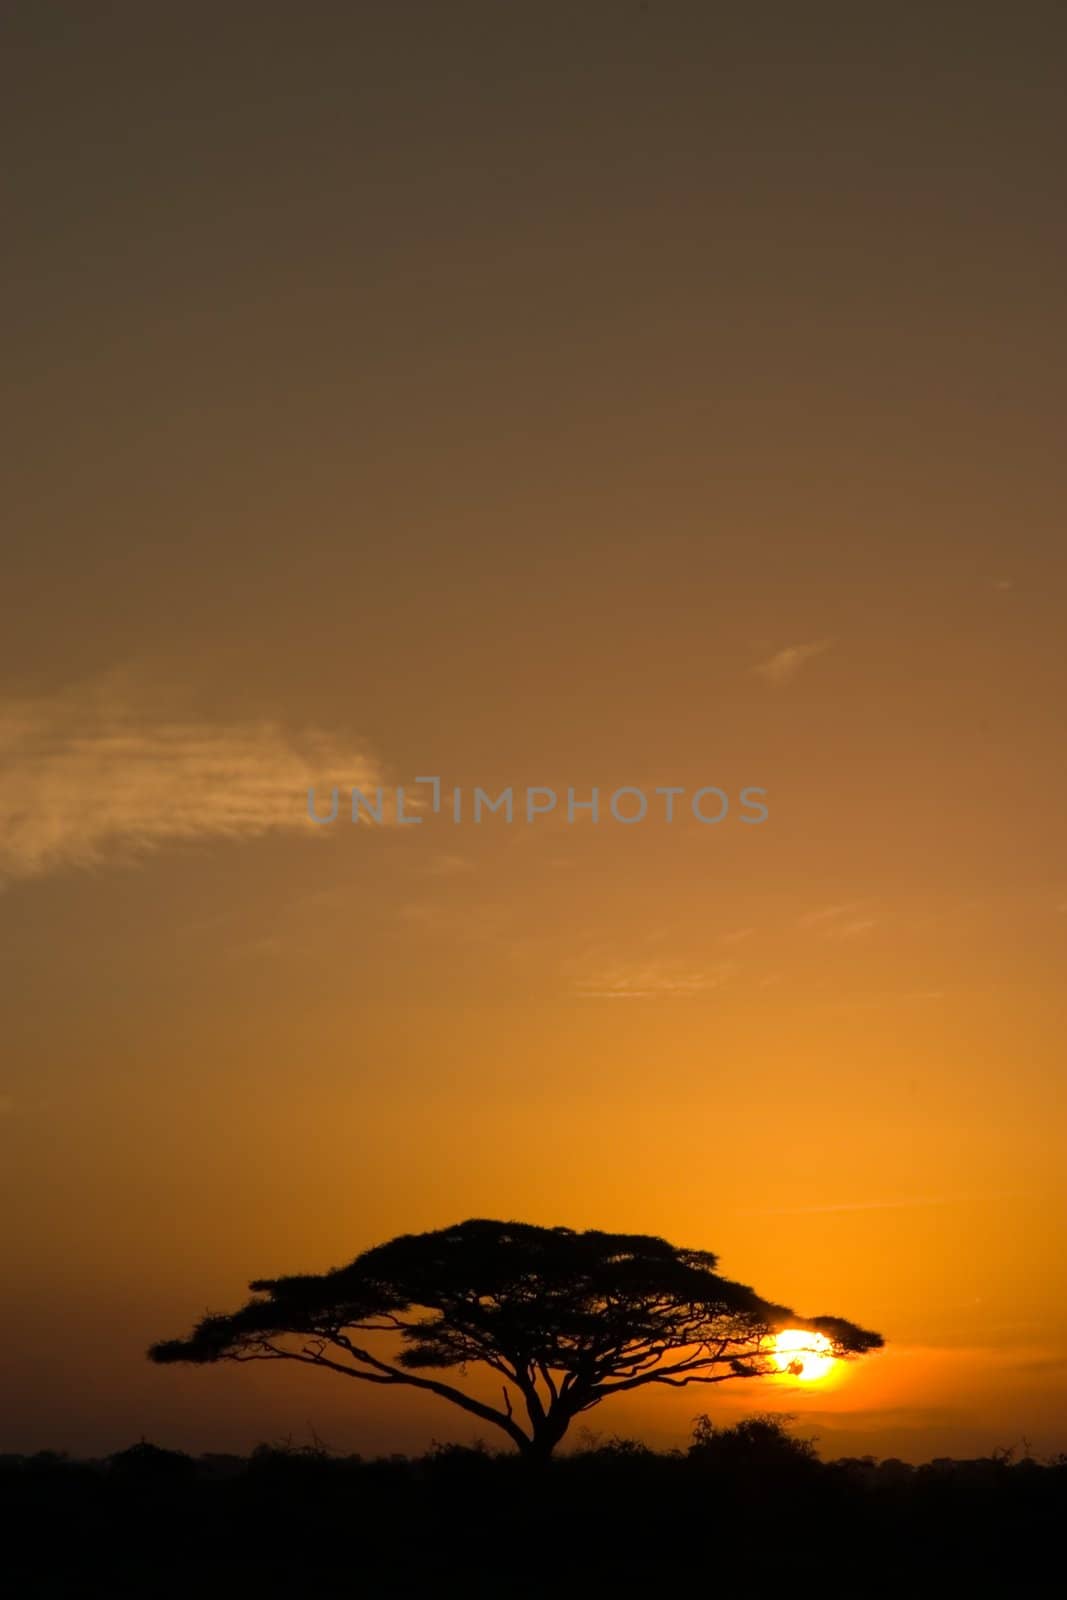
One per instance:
(148, 1467)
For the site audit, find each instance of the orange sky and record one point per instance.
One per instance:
(534, 395)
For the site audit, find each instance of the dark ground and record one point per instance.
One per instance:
(748, 1506)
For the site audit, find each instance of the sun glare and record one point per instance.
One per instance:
(803, 1355)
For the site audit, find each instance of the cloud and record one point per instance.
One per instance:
(655, 980)
(782, 668)
(88, 777)
(446, 866)
(838, 922)
(458, 923)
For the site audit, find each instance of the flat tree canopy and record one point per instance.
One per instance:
(563, 1319)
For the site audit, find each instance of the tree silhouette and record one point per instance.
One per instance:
(563, 1319)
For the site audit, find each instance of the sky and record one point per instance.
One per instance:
(563, 396)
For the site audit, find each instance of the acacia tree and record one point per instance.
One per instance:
(563, 1319)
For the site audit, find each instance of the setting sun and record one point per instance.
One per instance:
(803, 1355)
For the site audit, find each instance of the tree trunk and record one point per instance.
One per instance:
(537, 1452)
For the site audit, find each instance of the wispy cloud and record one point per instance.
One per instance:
(839, 922)
(654, 980)
(449, 866)
(783, 667)
(90, 776)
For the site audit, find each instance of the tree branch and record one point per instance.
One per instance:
(387, 1374)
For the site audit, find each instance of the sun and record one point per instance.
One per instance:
(805, 1356)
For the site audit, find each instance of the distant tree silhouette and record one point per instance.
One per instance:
(762, 1443)
(563, 1319)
